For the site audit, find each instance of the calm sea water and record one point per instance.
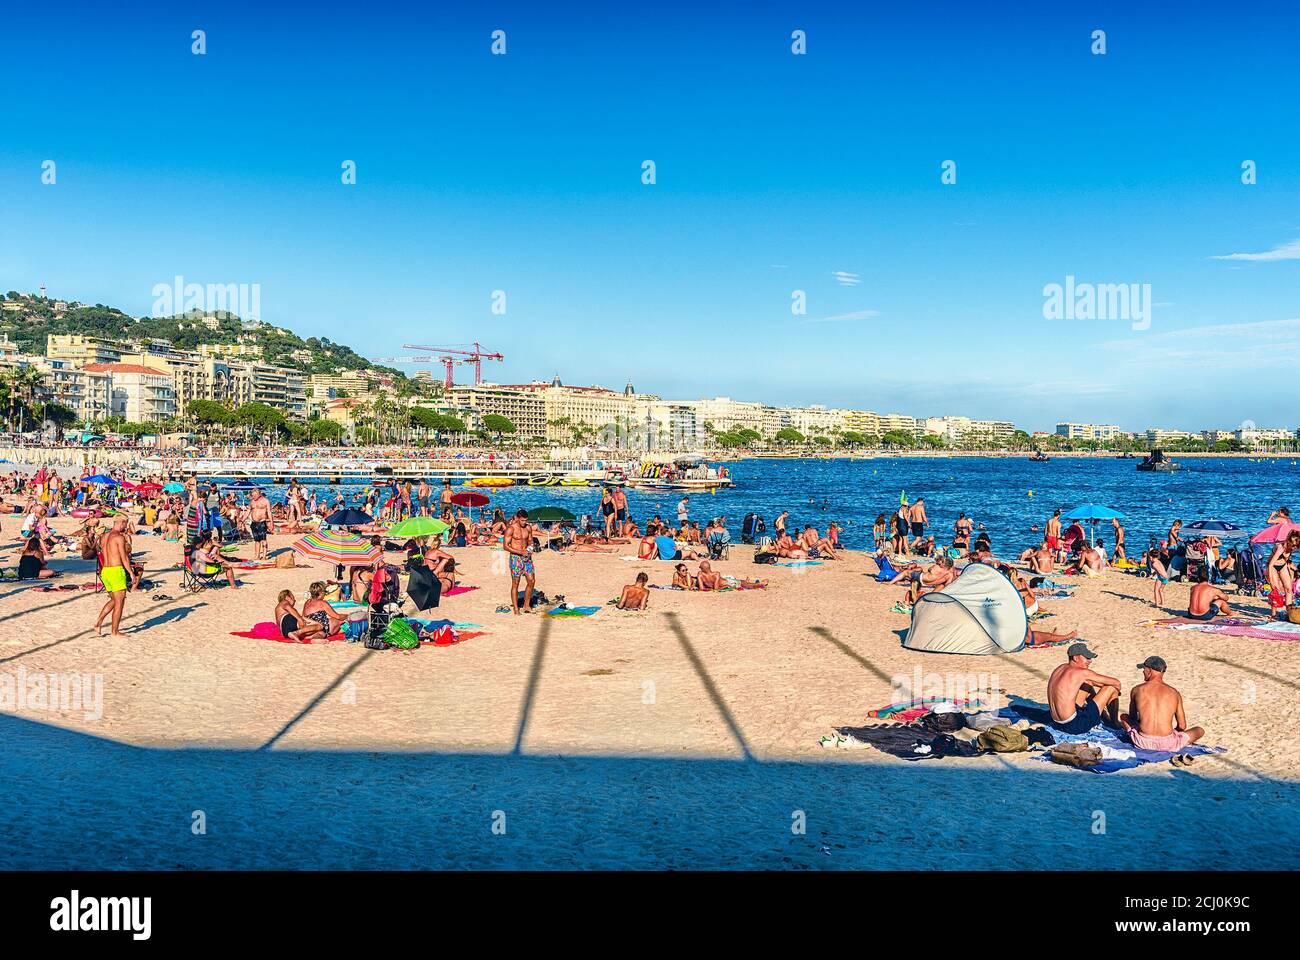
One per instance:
(993, 491)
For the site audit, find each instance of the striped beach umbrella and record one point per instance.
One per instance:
(338, 547)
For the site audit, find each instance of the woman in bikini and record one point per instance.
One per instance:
(318, 610)
(294, 625)
(682, 579)
(1281, 575)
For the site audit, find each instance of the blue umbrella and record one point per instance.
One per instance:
(101, 478)
(1093, 512)
(1219, 528)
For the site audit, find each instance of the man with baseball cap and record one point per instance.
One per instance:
(1155, 719)
(1079, 698)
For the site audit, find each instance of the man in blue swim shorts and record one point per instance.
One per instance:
(1078, 697)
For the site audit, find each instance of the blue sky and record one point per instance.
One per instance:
(522, 172)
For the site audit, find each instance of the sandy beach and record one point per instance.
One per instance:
(683, 736)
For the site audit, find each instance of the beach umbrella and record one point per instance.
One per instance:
(1092, 513)
(1276, 533)
(470, 499)
(349, 518)
(549, 514)
(1216, 528)
(173, 487)
(424, 588)
(148, 487)
(100, 478)
(419, 527)
(333, 546)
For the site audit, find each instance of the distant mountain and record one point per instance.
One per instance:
(35, 318)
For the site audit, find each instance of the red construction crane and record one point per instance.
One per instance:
(476, 357)
(447, 362)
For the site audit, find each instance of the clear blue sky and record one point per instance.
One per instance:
(522, 173)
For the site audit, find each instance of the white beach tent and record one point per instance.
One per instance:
(978, 613)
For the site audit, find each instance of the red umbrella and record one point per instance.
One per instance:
(1276, 533)
(149, 487)
(469, 499)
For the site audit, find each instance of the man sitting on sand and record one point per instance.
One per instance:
(1155, 719)
(1078, 697)
(636, 595)
(1207, 602)
(708, 579)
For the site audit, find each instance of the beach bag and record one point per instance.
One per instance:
(284, 561)
(1076, 754)
(401, 634)
(764, 557)
(1293, 614)
(1003, 740)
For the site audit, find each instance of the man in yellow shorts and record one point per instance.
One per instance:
(116, 555)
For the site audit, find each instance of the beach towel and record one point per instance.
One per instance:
(924, 704)
(1270, 632)
(797, 563)
(573, 612)
(910, 742)
(270, 631)
(457, 591)
(1116, 751)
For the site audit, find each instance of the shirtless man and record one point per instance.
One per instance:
(708, 579)
(919, 521)
(1207, 602)
(1118, 553)
(116, 552)
(259, 522)
(816, 545)
(621, 521)
(1091, 562)
(1052, 532)
(635, 596)
(785, 547)
(940, 573)
(1080, 698)
(444, 498)
(422, 494)
(518, 542)
(1155, 718)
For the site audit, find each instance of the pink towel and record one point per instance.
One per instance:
(269, 631)
(456, 591)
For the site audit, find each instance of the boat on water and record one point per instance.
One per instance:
(1157, 462)
(1126, 455)
(1039, 457)
(684, 474)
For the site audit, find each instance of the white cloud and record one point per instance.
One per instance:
(846, 278)
(1287, 251)
(846, 317)
(1223, 346)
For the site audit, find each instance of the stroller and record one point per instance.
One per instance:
(1250, 569)
(752, 526)
(385, 604)
(1197, 569)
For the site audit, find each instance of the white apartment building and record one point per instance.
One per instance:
(1157, 436)
(1088, 431)
(668, 424)
(137, 393)
(524, 408)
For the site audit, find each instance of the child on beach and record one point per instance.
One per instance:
(1159, 576)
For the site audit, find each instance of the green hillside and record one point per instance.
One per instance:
(30, 325)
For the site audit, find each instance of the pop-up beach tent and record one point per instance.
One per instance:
(978, 613)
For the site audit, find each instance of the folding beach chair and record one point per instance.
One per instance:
(196, 577)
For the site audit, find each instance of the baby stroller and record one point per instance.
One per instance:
(752, 526)
(1252, 576)
(1197, 569)
(385, 603)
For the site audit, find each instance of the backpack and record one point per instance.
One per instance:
(1003, 739)
(401, 634)
(1076, 754)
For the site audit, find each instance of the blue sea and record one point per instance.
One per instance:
(1006, 495)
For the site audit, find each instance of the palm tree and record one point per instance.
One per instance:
(23, 384)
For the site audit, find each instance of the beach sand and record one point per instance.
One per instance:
(683, 736)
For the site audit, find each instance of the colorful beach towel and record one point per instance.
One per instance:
(1270, 632)
(269, 631)
(924, 704)
(457, 591)
(797, 563)
(573, 611)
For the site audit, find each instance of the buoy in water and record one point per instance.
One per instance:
(1031, 493)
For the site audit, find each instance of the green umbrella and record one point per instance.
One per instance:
(550, 514)
(419, 527)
